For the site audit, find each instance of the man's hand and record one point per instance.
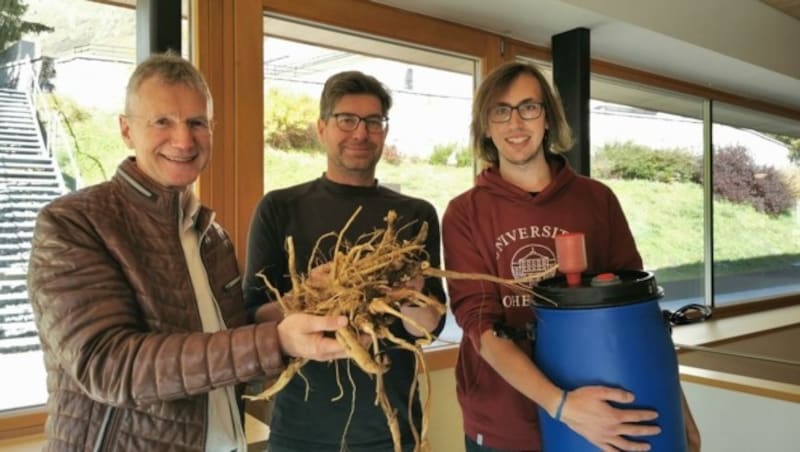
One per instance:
(320, 276)
(587, 412)
(302, 336)
(417, 283)
(426, 317)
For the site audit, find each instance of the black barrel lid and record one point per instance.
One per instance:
(597, 290)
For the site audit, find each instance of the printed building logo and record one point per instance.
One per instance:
(531, 259)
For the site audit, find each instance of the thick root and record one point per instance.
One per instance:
(357, 353)
(283, 379)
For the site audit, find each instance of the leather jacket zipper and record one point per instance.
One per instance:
(104, 430)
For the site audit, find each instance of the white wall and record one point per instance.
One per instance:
(732, 421)
(729, 421)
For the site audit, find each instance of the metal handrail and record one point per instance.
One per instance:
(55, 128)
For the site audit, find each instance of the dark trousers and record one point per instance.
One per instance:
(274, 448)
(472, 446)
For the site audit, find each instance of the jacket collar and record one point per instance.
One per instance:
(145, 193)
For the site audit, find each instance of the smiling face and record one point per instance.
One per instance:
(167, 126)
(519, 141)
(352, 156)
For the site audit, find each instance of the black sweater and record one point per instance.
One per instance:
(306, 212)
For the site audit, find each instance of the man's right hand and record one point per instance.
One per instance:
(302, 336)
(587, 412)
(320, 276)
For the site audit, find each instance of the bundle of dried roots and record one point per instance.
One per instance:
(367, 284)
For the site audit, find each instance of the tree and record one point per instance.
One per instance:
(12, 26)
(794, 151)
(792, 145)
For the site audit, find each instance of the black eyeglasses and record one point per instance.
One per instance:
(349, 122)
(526, 110)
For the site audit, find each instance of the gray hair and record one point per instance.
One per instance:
(171, 69)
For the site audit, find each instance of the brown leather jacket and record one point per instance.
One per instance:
(128, 366)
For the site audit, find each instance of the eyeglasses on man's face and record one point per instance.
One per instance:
(526, 110)
(348, 122)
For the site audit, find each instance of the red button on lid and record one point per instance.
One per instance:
(605, 279)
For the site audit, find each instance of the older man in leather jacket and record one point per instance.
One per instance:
(136, 292)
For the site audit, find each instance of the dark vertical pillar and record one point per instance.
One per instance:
(158, 27)
(571, 74)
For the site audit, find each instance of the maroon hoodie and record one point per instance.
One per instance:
(499, 229)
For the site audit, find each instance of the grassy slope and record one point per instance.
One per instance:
(437, 184)
(666, 219)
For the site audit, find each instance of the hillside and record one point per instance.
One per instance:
(81, 22)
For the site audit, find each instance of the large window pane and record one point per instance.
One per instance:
(60, 95)
(756, 210)
(647, 145)
(57, 133)
(427, 151)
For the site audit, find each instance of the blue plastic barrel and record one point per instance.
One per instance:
(611, 333)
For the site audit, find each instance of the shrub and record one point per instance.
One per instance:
(464, 156)
(791, 177)
(733, 172)
(771, 194)
(92, 136)
(441, 153)
(290, 121)
(738, 179)
(630, 160)
(391, 155)
(451, 154)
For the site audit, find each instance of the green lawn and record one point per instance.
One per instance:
(666, 219)
(437, 184)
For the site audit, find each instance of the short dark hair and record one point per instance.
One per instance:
(352, 82)
(170, 68)
(558, 138)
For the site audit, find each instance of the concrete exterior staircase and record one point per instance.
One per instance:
(29, 178)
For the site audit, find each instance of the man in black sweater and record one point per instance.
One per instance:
(352, 128)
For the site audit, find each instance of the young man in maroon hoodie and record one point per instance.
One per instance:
(505, 226)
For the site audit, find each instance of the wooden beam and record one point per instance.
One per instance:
(385, 21)
(228, 49)
(23, 423)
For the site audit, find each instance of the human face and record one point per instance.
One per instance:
(168, 127)
(352, 156)
(519, 141)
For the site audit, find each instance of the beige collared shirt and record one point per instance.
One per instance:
(225, 431)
